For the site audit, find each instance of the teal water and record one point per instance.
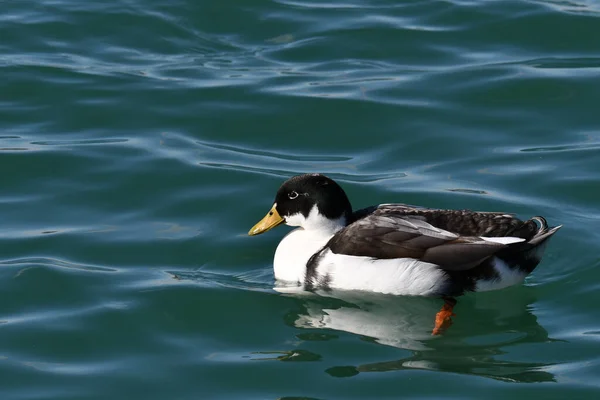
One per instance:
(139, 141)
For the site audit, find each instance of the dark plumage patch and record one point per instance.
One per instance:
(466, 222)
(311, 279)
(324, 282)
(360, 214)
(466, 281)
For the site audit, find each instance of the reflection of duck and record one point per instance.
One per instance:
(404, 322)
(395, 248)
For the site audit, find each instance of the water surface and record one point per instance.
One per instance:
(139, 141)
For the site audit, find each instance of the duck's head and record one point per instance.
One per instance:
(310, 201)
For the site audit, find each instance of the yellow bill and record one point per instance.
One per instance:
(270, 221)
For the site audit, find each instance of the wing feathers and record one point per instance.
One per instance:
(396, 235)
(461, 255)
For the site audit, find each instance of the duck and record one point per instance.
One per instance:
(395, 248)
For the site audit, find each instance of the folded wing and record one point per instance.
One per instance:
(387, 236)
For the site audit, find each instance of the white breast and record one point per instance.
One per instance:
(293, 253)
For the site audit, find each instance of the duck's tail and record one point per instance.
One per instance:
(527, 255)
(537, 244)
(543, 233)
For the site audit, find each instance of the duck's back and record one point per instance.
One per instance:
(461, 222)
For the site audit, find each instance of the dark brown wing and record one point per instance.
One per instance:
(461, 222)
(385, 235)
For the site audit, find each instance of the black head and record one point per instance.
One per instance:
(301, 193)
(298, 196)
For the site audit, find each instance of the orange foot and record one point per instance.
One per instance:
(443, 319)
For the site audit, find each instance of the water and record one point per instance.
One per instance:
(139, 141)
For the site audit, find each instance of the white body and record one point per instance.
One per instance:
(404, 276)
(400, 276)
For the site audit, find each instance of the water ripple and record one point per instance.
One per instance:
(53, 262)
(140, 140)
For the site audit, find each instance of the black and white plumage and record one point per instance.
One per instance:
(396, 248)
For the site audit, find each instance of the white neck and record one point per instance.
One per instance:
(316, 222)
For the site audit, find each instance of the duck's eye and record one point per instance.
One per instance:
(292, 195)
